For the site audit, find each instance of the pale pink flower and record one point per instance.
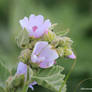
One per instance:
(32, 84)
(35, 25)
(22, 69)
(44, 55)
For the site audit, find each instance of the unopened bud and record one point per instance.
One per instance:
(49, 36)
(60, 51)
(67, 52)
(18, 80)
(25, 56)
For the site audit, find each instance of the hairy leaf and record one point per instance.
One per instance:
(50, 78)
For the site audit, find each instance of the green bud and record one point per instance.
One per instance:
(53, 26)
(67, 52)
(62, 42)
(18, 80)
(60, 51)
(14, 82)
(9, 83)
(55, 42)
(22, 39)
(32, 44)
(50, 36)
(34, 65)
(25, 56)
(67, 41)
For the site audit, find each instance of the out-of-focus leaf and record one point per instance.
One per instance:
(8, 63)
(2, 89)
(4, 74)
(50, 78)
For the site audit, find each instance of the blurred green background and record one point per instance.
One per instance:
(73, 14)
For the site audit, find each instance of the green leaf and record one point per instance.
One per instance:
(50, 78)
(4, 74)
(9, 62)
(25, 88)
(2, 89)
(22, 39)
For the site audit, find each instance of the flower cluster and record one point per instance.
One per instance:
(41, 46)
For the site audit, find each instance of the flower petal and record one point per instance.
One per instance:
(32, 84)
(34, 58)
(47, 24)
(45, 55)
(36, 20)
(22, 69)
(41, 30)
(49, 53)
(46, 64)
(72, 56)
(32, 19)
(39, 20)
(24, 23)
(39, 46)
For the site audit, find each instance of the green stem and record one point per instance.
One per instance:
(25, 88)
(68, 75)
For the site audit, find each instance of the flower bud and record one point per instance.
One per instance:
(72, 56)
(25, 56)
(62, 42)
(67, 41)
(31, 44)
(18, 80)
(22, 39)
(60, 51)
(67, 52)
(55, 42)
(14, 82)
(49, 36)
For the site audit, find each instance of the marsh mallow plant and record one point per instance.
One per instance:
(40, 49)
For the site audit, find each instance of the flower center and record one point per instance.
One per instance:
(34, 28)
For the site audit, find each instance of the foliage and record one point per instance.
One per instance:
(75, 15)
(50, 78)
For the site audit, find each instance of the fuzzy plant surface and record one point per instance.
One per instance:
(40, 49)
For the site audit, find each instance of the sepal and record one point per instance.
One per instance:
(49, 36)
(25, 56)
(22, 39)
